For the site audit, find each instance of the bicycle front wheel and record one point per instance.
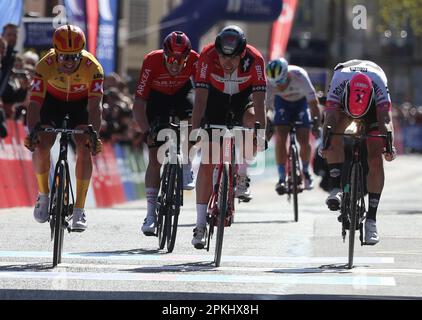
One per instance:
(162, 209)
(175, 189)
(222, 206)
(294, 179)
(355, 194)
(58, 214)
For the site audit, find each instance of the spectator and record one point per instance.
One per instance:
(30, 58)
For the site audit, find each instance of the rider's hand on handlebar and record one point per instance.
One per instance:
(390, 156)
(316, 131)
(31, 141)
(98, 146)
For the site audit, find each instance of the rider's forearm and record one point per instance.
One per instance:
(94, 113)
(258, 99)
(315, 113)
(33, 116)
(385, 122)
(140, 114)
(199, 107)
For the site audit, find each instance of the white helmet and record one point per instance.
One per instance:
(276, 71)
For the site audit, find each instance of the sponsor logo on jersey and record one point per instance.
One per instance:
(98, 76)
(259, 72)
(203, 72)
(49, 61)
(142, 83)
(361, 69)
(78, 88)
(97, 86)
(37, 85)
(88, 62)
(339, 89)
(246, 64)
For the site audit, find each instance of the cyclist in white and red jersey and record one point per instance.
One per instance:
(292, 95)
(165, 81)
(230, 79)
(359, 89)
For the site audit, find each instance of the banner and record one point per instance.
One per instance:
(281, 30)
(38, 34)
(196, 17)
(75, 12)
(92, 25)
(107, 34)
(11, 12)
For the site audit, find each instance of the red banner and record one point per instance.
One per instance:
(18, 187)
(92, 25)
(281, 30)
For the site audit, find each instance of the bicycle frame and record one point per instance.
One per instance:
(353, 203)
(60, 206)
(226, 157)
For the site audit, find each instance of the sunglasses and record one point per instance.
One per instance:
(72, 57)
(179, 60)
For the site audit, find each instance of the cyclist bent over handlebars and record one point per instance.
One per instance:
(359, 90)
(230, 78)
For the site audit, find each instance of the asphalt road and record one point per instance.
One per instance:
(266, 255)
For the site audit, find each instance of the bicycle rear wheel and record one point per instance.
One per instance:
(294, 179)
(175, 190)
(355, 195)
(162, 208)
(222, 206)
(58, 216)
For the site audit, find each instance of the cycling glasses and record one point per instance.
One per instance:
(175, 59)
(69, 57)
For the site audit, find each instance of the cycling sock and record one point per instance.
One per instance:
(374, 199)
(42, 180)
(305, 166)
(281, 171)
(335, 175)
(81, 191)
(152, 195)
(201, 215)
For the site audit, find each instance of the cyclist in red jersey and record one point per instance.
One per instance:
(230, 77)
(165, 81)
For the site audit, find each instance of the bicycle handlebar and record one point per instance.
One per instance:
(387, 137)
(88, 131)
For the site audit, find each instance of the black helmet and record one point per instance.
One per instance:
(231, 41)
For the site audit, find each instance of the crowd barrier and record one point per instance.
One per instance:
(118, 172)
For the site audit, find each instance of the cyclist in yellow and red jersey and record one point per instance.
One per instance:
(165, 82)
(68, 80)
(230, 79)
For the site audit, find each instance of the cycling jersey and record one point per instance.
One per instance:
(300, 86)
(85, 82)
(154, 75)
(291, 104)
(343, 72)
(229, 91)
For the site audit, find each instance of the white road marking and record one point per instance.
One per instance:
(356, 281)
(195, 258)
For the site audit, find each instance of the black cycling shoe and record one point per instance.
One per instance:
(280, 187)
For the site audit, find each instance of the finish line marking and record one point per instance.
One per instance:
(356, 281)
(195, 258)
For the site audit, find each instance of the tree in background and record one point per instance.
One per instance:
(398, 14)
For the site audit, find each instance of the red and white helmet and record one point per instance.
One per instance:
(358, 95)
(176, 47)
